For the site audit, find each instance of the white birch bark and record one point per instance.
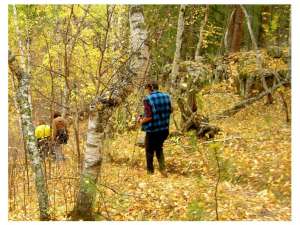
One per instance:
(258, 56)
(138, 42)
(254, 42)
(175, 66)
(18, 34)
(28, 134)
(203, 24)
(100, 112)
(25, 66)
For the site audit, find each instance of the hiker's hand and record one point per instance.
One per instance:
(140, 120)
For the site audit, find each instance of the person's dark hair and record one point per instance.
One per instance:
(56, 114)
(153, 85)
(41, 122)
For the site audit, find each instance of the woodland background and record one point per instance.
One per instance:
(227, 68)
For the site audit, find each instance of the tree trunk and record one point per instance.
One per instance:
(236, 30)
(28, 133)
(76, 129)
(138, 43)
(66, 91)
(253, 39)
(18, 33)
(203, 24)
(102, 109)
(265, 20)
(258, 56)
(229, 24)
(175, 66)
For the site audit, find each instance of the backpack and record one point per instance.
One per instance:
(62, 136)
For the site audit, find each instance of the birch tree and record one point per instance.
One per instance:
(101, 110)
(138, 42)
(258, 58)
(185, 92)
(175, 79)
(18, 33)
(253, 39)
(175, 66)
(28, 133)
(203, 24)
(259, 65)
(25, 66)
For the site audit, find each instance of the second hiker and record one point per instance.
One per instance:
(60, 135)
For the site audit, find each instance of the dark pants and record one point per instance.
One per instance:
(154, 143)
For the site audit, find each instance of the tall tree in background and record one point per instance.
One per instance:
(102, 109)
(69, 43)
(176, 59)
(265, 21)
(201, 31)
(28, 133)
(236, 29)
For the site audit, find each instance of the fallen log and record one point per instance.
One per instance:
(237, 107)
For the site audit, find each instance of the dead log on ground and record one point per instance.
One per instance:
(237, 107)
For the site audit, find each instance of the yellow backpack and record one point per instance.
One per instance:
(42, 131)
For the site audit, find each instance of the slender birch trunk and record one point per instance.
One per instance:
(254, 43)
(179, 35)
(67, 63)
(28, 133)
(102, 109)
(258, 56)
(25, 66)
(203, 24)
(20, 44)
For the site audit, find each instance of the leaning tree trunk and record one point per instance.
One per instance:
(102, 109)
(254, 42)
(240, 105)
(179, 35)
(28, 133)
(258, 56)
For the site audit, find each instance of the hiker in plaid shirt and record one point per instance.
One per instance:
(155, 122)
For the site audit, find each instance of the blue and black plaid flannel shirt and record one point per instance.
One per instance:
(160, 104)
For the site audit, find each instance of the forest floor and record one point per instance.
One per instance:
(254, 154)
